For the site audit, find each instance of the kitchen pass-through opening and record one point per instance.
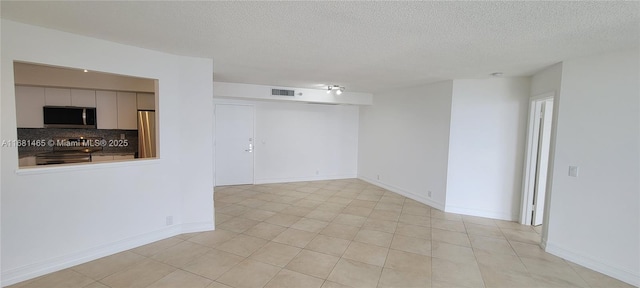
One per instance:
(67, 116)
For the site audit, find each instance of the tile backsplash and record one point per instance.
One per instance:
(53, 133)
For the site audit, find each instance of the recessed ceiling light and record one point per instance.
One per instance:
(496, 74)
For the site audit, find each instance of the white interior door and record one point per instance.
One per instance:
(234, 144)
(544, 138)
(537, 159)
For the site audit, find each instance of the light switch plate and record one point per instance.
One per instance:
(573, 171)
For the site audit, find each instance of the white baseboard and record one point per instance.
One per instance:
(301, 179)
(404, 193)
(631, 277)
(438, 205)
(33, 270)
(197, 227)
(481, 213)
(543, 243)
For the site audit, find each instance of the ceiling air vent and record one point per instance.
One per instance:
(282, 92)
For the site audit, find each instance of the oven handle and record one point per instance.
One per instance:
(84, 116)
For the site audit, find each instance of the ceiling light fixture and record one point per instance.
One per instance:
(496, 74)
(339, 89)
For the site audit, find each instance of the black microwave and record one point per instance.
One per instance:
(69, 117)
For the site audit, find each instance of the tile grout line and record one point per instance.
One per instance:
(484, 282)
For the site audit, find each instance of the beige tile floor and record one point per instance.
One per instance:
(341, 233)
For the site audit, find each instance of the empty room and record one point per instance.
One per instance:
(319, 144)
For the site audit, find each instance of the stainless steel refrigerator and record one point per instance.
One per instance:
(146, 134)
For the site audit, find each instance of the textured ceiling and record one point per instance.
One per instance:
(365, 46)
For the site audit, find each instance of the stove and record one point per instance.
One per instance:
(70, 150)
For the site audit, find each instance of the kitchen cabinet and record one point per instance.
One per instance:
(29, 103)
(107, 110)
(123, 157)
(101, 158)
(57, 97)
(146, 101)
(69, 97)
(115, 110)
(27, 161)
(83, 98)
(127, 111)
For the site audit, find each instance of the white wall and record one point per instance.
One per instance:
(303, 142)
(594, 219)
(294, 141)
(404, 138)
(486, 147)
(54, 218)
(547, 80)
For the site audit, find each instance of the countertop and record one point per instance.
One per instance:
(33, 154)
(112, 153)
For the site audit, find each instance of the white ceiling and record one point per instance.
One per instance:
(365, 46)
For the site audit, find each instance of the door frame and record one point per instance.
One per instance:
(531, 158)
(217, 103)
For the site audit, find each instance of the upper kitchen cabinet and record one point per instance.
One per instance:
(106, 110)
(127, 111)
(29, 103)
(69, 97)
(83, 98)
(146, 101)
(57, 97)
